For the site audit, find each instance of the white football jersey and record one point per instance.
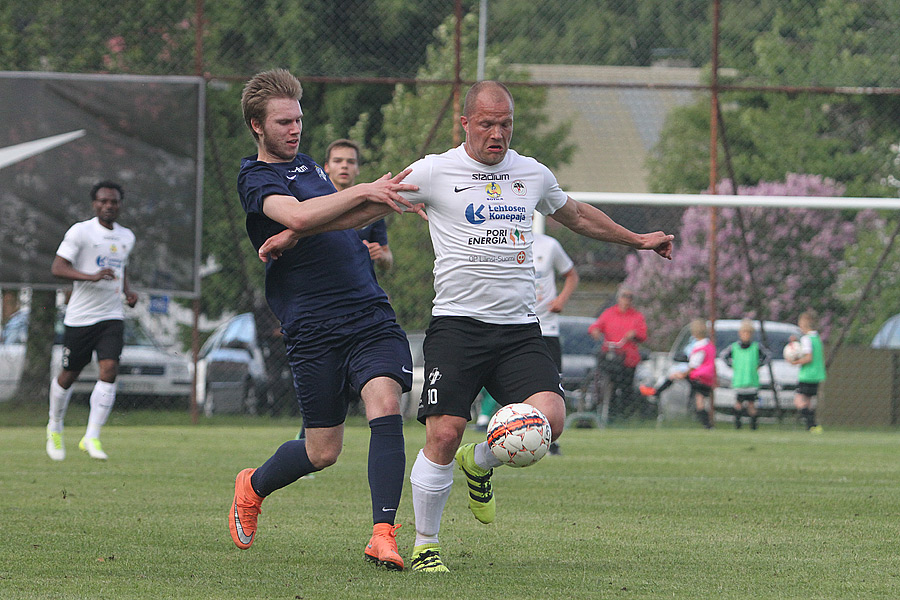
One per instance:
(480, 219)
(90, 247)
(549, 259)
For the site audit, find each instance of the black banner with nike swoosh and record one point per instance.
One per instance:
(61, 133)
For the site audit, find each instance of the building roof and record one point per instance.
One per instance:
(613, 128)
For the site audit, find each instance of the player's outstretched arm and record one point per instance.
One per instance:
(310, 215)
(592, 222)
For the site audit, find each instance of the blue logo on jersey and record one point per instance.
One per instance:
(321, 173)
(474, 215)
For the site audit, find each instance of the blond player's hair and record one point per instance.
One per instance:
(264, 86)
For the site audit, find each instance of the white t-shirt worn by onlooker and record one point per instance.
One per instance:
(90, 247)
(480, 220)
(549, 259)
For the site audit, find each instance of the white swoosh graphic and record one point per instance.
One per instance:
(13, 154)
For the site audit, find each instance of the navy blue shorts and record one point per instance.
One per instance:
(79, 343)
(329, 359)
(462, 355)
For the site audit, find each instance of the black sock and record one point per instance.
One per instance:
(737, 418)
(289, 463)
(752, 421)
(664, 386)
(387, 466)
(810, 418)
(703, 415)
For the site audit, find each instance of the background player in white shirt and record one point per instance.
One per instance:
(549, 260)
(94, 255)
(480, 199)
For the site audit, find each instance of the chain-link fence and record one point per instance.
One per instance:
(615, 96)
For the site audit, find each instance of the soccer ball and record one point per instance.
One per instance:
(519, 435)
(792, 351)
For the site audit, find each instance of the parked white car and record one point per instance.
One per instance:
(146, 371)
(676, 400)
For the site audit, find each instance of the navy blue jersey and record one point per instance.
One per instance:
(325, 275)
(374, 232)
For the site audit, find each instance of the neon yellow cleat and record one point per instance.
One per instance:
(481, 495)
(55, 448)
(93, 448)
(427, 559)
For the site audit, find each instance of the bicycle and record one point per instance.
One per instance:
(598, 388)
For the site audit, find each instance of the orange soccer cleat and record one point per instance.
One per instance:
(244, 510)
(382, 548)
(646, 390)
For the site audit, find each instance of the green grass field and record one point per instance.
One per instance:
(675, 512)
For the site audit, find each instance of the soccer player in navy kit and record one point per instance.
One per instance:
(480, 199)
(338, 326)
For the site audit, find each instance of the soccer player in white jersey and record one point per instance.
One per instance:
(480, 198)
(94, 255)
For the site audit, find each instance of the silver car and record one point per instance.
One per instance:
(146, 370)
(676, 399)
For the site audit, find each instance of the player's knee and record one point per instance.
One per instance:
(322, 457)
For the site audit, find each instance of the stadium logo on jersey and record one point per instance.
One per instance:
(473, 215)
(493, 190)
(518, 187)
(490, 176)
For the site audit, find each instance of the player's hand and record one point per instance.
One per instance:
(104, 275)
(556, 305)
(659, 242)
(376, 250)
(386, 190)
(131, 298)
(276, 245)
(419, 209)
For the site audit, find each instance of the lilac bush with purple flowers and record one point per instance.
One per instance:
(796, 257)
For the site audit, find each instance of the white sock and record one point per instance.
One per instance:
(59, 403)
(431, 484)
(484, 458)
(102, 399)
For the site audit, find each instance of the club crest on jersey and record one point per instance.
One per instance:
(493, 190)
(518, 187)
(321, 173)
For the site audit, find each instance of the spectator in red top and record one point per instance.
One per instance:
(622, 328)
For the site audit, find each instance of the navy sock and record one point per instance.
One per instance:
(387, 466)
(289, 463)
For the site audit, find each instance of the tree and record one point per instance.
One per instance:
(797, 256)
(827, 42)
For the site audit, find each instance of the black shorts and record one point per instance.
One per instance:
(747, 397)
(462, 355)
(701, 388)
(555, 349)
(332, 360)
(808, 389)
(80, 343)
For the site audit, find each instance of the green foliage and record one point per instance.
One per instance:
(845, 138)
(607, 32)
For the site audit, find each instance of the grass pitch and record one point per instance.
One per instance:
(624, 513)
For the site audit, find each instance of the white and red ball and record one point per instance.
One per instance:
(519, 435)
(792, 351)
